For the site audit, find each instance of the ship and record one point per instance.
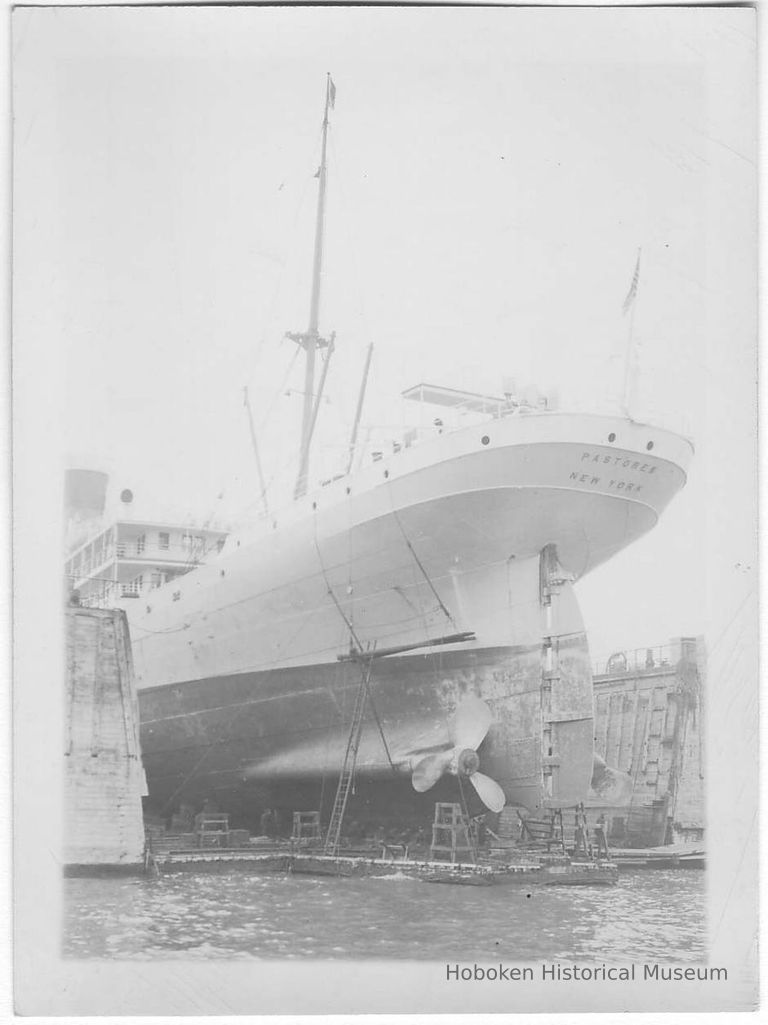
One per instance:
(441, 572)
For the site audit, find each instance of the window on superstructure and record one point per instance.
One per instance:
(187, 540)
(141, 543)
(156, 580)
(164, 540)
(131, 588)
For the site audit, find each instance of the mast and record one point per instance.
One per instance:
(311, 340)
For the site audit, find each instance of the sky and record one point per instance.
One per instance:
(493, 173)
(492, 176)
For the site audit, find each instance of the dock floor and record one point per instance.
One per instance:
(545, 872)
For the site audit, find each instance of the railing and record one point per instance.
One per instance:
(637, 660)
(191, 555)
(176, 552)
(105, 593)
(383, 440)
(102, 593)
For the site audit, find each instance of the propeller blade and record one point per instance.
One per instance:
(598, 769)
(488, 790)
(470, 722)
(610, 785)
(429, 770)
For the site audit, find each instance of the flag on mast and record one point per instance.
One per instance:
(632, 293)
(331, 93)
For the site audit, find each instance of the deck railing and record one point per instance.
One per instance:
(636, 660)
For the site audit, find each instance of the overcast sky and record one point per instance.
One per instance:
(492, 175)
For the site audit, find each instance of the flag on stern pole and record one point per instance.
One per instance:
(632, 293)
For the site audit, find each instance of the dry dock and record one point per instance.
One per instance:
(648, 717)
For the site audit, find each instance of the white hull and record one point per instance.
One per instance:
(469, 512)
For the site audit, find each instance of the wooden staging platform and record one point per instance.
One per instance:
(660, 857)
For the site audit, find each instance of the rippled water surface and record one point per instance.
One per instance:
(648, 915)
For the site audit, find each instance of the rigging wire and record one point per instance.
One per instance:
(280, 278)
(280, 389)
(426, 575)
(267, 320)
(357, 260)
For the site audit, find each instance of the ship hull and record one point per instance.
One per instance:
(232, 735)
(238, 662)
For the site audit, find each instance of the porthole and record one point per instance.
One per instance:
(485, 439)
(222, 572)
(349, 490)
(314, 505)
(386, 473)
(611, 436)
(649, 446)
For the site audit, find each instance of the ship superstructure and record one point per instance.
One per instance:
(115, 557)
(128, 560)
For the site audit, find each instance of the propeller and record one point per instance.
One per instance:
(611, 786)
(467, 728)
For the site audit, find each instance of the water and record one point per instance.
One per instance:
(650, 915)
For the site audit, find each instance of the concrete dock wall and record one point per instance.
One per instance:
(104, 777)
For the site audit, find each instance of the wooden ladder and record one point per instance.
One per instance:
(350, 760)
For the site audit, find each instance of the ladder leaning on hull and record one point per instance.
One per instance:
(350, 760)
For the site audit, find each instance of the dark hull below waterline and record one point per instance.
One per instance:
(252, 737)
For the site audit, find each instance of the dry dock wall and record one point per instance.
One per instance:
(104, 778)
(648, 723)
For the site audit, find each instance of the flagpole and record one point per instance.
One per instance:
(629, 306)
(628, 365)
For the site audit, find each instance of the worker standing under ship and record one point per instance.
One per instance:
(267, 823)
(601, 837)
